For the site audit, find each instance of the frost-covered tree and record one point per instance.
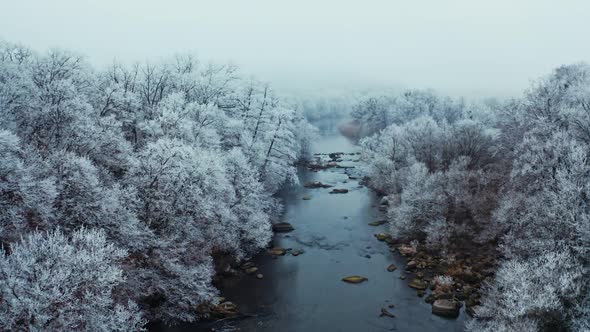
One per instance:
(176, 162)
(445, 175)
(545, 209)
(529, 293)
(64, 283)
(26, 193)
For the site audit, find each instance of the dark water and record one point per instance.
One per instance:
(305, 293)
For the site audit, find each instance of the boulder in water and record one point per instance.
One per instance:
(296, 252)
(377, 223)
(339, 191)
(282, 227)
(316, 185)
(354, 279)
(445, 308)
(277, 251)
(382, 236)
(385, 312)
(251, 270)
(418, 284)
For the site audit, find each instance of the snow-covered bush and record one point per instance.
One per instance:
(53, 282)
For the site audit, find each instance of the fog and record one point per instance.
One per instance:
(461, 48)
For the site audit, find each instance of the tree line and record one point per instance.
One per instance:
(512, 175)
(118, 186)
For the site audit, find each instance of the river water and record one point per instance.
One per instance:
(305, 293)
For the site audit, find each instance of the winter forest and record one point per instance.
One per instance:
(185, 192)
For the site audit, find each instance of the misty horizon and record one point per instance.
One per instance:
(458, 48)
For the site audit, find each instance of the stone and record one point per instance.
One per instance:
(282, 227)
(259, 276)
(247, 265)
(296, 252)
(382, 236)
(339, 191)
(277, 251)
(385, 312)
(306, 198)
(445, 308)
(226, 309)
(251, 270)
(391, 268)
(317, 185)
(377, 223)
(402, 277)
(418, 284)
(354, 279)
(406, 250)
(411, 265)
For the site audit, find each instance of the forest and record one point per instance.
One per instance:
(122, 188)
(118, 187)
(511, 176)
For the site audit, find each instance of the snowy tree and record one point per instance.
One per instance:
(60, 283)
(529, 293)
(544, 210)
(26, 193)
(175, 162)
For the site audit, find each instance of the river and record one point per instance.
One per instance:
(305, 293)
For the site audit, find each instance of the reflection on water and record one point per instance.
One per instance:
(305, 293)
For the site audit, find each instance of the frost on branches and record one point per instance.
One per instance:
(513, 174)
(173, 162)
(54, 282)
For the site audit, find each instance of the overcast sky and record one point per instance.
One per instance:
(465, 47)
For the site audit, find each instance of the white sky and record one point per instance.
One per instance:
(458, 47)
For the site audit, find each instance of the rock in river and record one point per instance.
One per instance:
(382, 236)
(385, 312)
(226, 309)
(316, 185)
(354, 279)
(277, 251)
(377, 223)
(306, 198)
(282, 227)
(251, 270)
(418, 284)
(339, 191)
(391, 268)
(446, 308)
(296, 252)
(247, 265)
